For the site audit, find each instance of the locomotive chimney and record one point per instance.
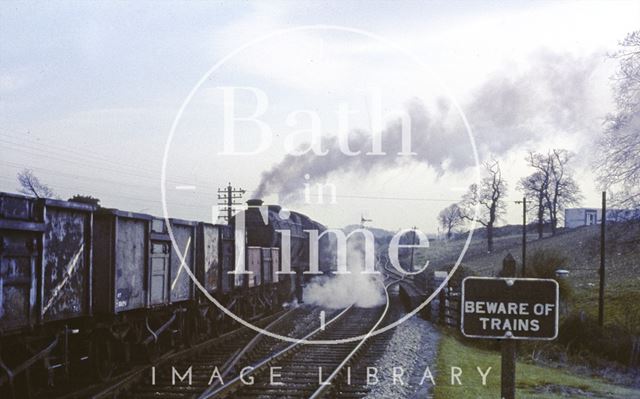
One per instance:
(255, 202)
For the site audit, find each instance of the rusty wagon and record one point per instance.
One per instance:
(82, 285)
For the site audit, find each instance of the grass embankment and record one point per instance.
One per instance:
(582, 249)
(621, 303)
(531, 381)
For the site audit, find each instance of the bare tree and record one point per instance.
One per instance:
(488, 197)
(535, 186)
(31, 185)
(563, 190)
(619, 162)
(450, 218)
(551, 187)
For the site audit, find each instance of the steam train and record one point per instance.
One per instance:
(82, 285)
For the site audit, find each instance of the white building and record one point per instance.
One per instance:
(576, 217)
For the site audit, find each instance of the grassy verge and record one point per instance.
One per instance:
(532, 381)
(620, 302)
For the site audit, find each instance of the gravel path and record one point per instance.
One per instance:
(413, 347)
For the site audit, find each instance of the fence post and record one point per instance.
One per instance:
(443, 303)
(508, 372)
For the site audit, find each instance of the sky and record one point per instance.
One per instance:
(91, 95)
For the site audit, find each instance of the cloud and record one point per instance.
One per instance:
(9, 82)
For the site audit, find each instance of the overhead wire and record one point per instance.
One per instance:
(88, 158)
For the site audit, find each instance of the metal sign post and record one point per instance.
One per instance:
(510, 309)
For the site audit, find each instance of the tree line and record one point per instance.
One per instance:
(550, 187)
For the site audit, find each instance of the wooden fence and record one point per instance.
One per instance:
(446, 306)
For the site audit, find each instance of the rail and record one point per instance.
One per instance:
(323, 388)
(235, 358)
(231, 386)
(123, 381)
(237, 380)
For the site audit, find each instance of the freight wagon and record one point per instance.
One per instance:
(82, 285)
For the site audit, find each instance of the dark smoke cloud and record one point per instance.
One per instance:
(507, 111)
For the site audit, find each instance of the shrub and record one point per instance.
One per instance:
(543, 263)
(582, 335)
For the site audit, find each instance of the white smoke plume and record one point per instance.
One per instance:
(507, 111)
(363, 290)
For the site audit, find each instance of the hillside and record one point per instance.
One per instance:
(581, 246)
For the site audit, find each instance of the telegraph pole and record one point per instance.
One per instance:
(413, 243)
(524, 234)
(227, 200)
(603, 230)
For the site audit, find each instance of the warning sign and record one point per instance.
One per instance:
(511, 308)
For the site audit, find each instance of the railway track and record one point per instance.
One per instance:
(309, 370)
(223, 356)
(244, 355)
(357, 386)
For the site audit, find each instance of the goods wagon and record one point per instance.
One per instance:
(122, 246)
(82, 284)
(46, 269)
(142, 285)
(45, 257)
(137, 265)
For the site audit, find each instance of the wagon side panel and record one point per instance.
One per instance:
(275, 260)
(65, 264)
(18, 286)
(103, 264)
(209, 245)
(130, 261)
(254, 265)
(181, 285)
(227, 249)
(267, 266)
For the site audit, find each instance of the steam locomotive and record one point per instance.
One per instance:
(82, 285)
